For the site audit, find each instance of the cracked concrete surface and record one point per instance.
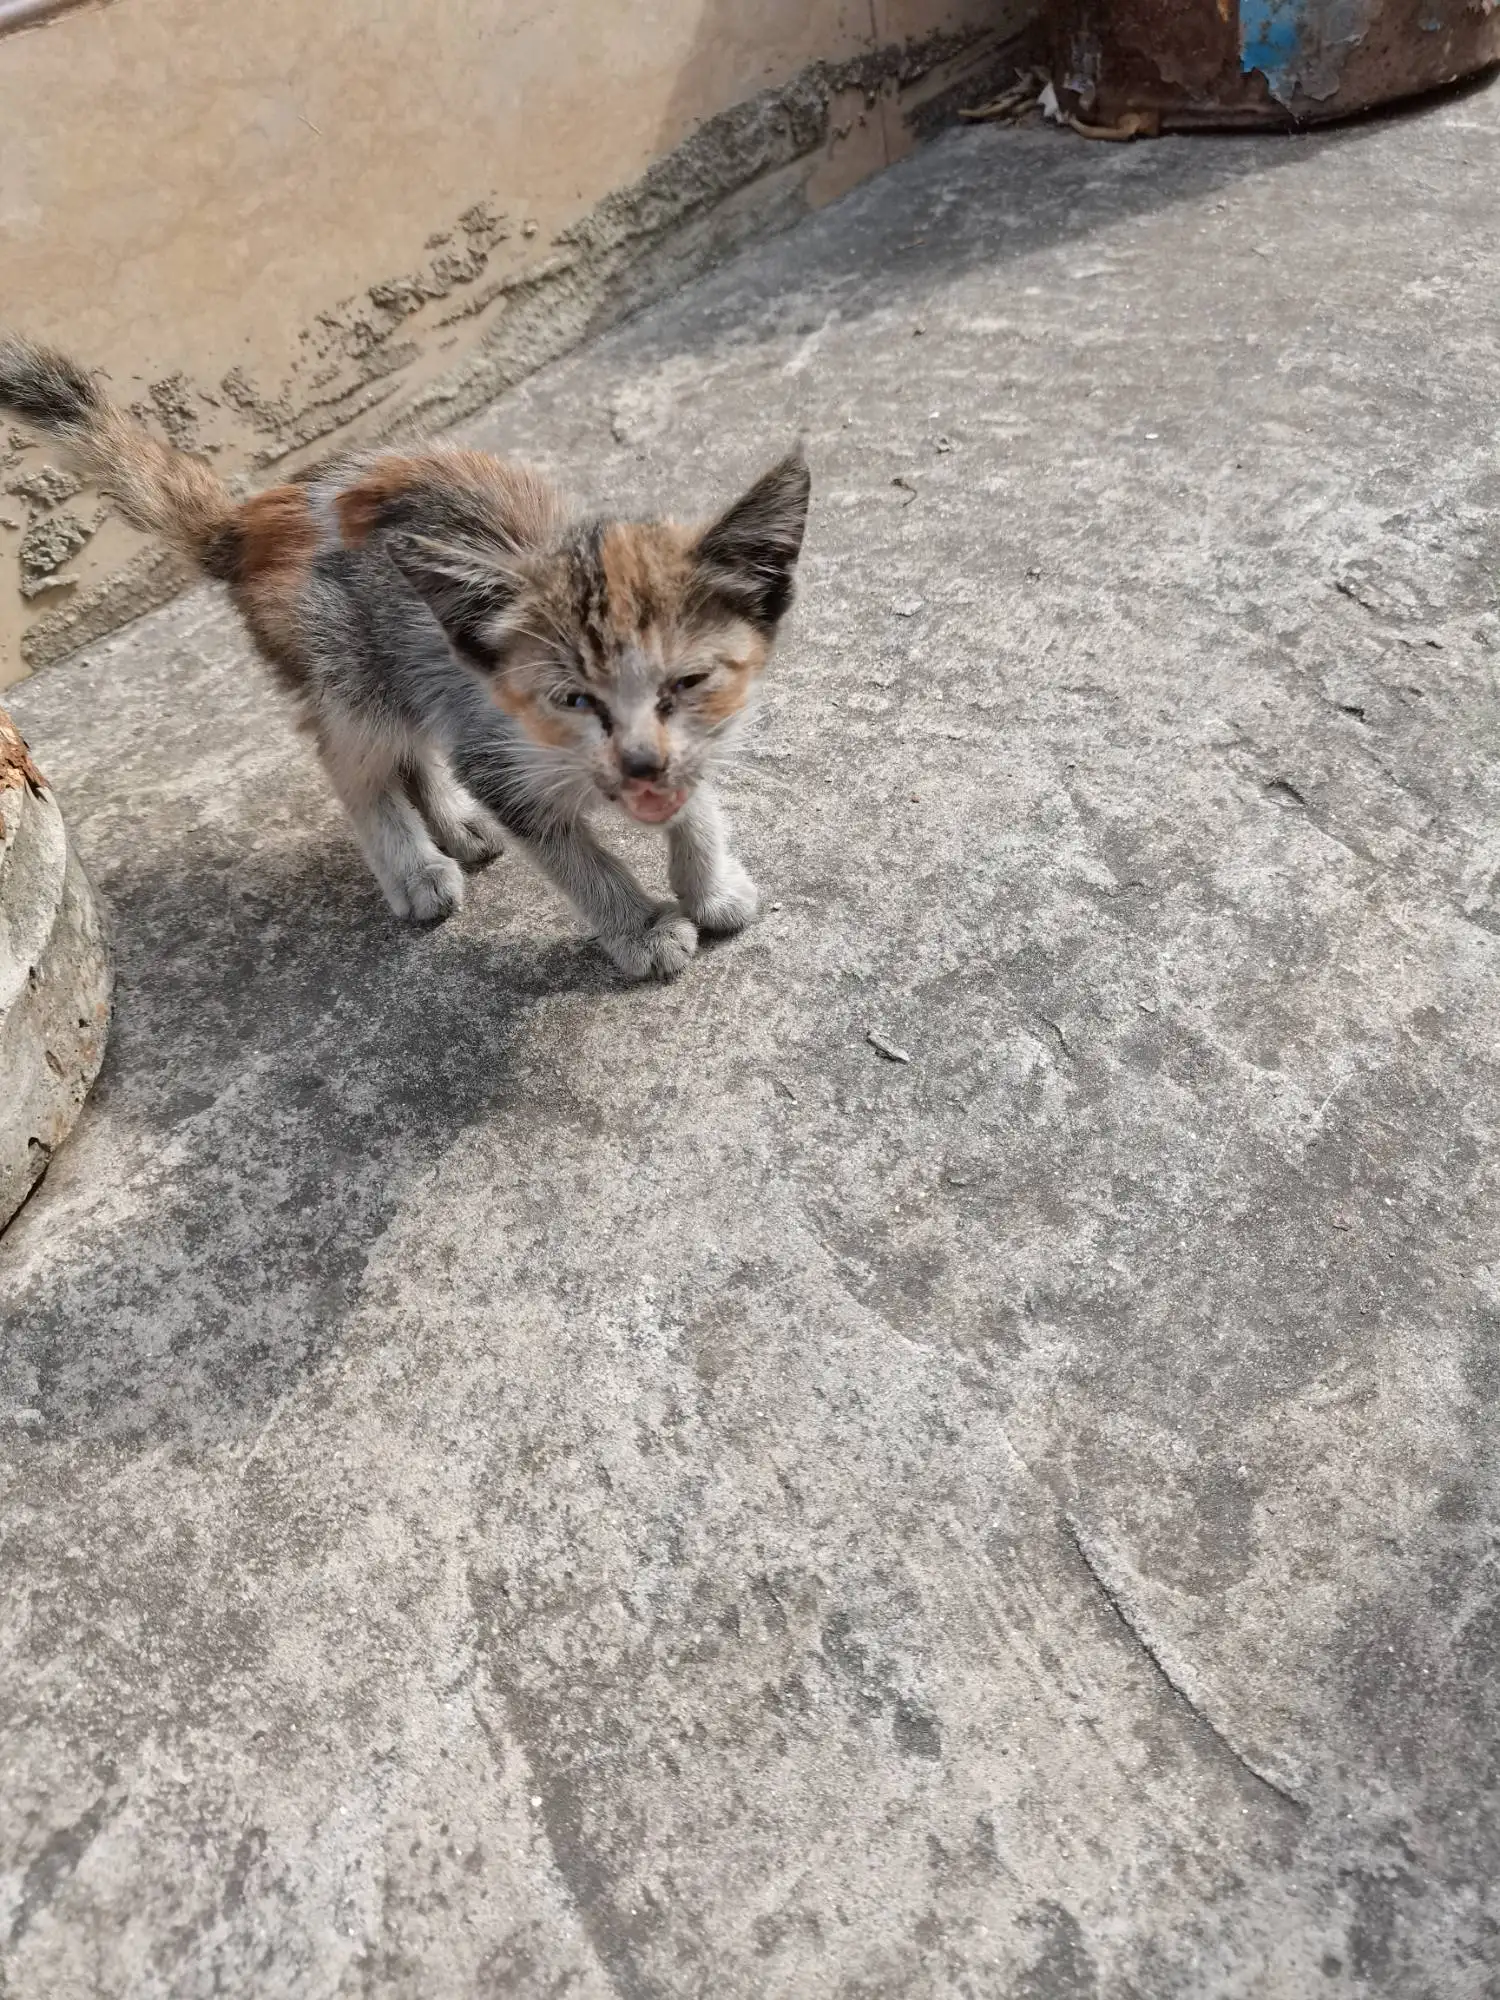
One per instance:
(520, 1486)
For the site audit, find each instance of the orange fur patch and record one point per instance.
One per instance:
(276, 531)
(536, 716)
(521, 503)
(741, 673)
(277, 540)
(645, 575)
(729, 697)
(359, 506)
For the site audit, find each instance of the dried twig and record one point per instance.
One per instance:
(1134, 125)
(1010, 103)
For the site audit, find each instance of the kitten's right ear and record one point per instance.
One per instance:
(467, 589)
(747, 558)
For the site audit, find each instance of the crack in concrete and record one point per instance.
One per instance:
(1164, 1673)
(1056, 1027)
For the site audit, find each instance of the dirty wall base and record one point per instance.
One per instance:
(490, 295)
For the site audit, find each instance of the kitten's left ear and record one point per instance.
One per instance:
(746, 558)
(467, 588)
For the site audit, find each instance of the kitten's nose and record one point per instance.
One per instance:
(636, 761)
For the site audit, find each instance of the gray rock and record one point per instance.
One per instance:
(54, 977)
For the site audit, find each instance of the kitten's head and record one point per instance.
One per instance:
(626, 651)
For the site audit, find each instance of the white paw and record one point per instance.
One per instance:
(660, 951)
(730, 903)
(429, 892)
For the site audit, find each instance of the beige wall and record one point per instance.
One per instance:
(277, 226)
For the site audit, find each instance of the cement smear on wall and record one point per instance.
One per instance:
(487, 301)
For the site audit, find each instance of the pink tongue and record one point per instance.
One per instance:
(650, 803)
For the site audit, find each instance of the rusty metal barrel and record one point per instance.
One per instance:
(1186, 63)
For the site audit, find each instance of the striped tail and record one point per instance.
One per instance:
(158, 489)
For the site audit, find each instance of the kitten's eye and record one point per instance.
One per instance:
(573, 698)
(685, 682)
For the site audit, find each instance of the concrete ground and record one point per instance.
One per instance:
(519, 1485)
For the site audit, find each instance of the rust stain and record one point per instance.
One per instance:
(1227, 63)
(16, 766)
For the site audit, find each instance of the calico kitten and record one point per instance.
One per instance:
(467, 656)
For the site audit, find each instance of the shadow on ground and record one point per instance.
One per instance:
(287, 1064)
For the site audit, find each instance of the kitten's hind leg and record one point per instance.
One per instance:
(459, 824)
(418, 879)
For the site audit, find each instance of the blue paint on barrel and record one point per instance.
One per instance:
(1271, 36)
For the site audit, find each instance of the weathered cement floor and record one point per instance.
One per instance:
(516, 1485)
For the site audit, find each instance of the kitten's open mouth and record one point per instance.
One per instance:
(653, 804)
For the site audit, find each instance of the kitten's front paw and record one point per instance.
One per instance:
(729, 905)
(660, 951)
(475, 841)
(428, 893)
